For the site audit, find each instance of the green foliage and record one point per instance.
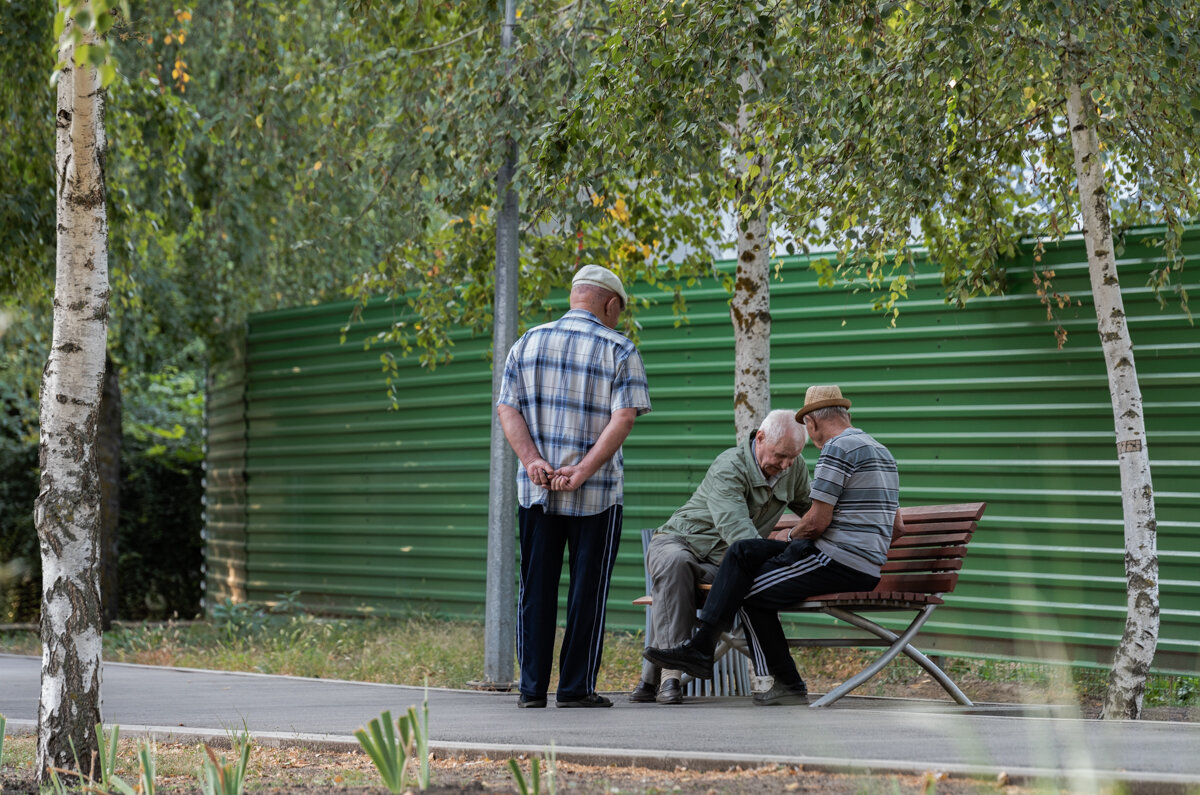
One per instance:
(159, 533)
(394, 754)
(244, 622)
(20, 571)
(110, 783)
(86, 24)
(534, 785)
(218, 777)
(107, 743)
(887, 125)
(147, 762)
(3, 723)
(426, 105)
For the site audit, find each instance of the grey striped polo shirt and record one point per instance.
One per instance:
(858, 476)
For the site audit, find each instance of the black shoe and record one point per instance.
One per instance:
(590, 700)
(782, 694)
(683, 657)
(669, 692)
(530, 702)
(644, 693)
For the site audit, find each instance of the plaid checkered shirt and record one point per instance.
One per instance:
(567, 378)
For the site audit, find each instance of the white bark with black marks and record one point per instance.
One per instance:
(1131, 663)
(750, 308)
(67, 511)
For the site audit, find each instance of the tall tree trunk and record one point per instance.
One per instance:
(67, 511)
(750, 309)
(1131, 663)
(108, 463)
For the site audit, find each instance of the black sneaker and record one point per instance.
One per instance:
(782, 694)
(530, 702)
(590, 700)
(684, 657)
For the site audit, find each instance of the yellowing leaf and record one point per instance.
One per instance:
(317, 166)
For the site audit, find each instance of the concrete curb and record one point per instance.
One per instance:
(1083, 780)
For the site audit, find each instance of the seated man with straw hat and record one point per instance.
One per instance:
(838, 545)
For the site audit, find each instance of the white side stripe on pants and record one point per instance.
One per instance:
(797, 569)
(760, 661)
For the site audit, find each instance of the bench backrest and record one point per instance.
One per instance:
(926, 558)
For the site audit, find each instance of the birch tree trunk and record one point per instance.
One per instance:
(1131, 663)
(67, 511)
(750, 309)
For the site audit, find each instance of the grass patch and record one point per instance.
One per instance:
(423, 649)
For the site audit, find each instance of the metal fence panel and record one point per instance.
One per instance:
(225, 484)
(362, 507)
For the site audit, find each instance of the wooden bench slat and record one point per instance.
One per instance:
(933, 528)
(972, 510)
(926, 553)
(860, 598)
(906, 541)
(896, 566)
(918, 583)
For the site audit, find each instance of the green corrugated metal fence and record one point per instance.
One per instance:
(225, 482)
(358, 506)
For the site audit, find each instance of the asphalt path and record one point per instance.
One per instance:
(857, 733)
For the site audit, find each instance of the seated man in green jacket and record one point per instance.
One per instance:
(744, 493)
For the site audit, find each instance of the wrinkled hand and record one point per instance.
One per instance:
(540, 472)
(781, 534)
(809, 533)
(568, 479)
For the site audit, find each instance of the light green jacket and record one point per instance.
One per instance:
(735, 502)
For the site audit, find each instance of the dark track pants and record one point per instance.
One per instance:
(757, 578)
(592, 542)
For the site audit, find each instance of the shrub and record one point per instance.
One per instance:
(20, 560)
(159, 534)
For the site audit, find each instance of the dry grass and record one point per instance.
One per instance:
(297, 769)
(425, 649)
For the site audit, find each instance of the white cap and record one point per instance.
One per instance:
(600, 276)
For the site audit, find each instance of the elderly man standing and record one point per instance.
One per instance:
(746, 490)
(570, 394)
(839, 545)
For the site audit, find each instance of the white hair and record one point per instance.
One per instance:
(779, 423)
(830, 412)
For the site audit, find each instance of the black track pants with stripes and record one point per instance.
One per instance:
(757, 578)
(592, 543)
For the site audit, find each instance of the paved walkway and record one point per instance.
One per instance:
(896, 735)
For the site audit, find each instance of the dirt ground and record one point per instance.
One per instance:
(317, 773)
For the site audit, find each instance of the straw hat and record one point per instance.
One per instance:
(600, 276)
(820, 397)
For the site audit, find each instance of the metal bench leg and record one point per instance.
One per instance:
(913, 653)
(900, 643)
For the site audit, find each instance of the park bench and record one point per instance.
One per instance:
(922, 567)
